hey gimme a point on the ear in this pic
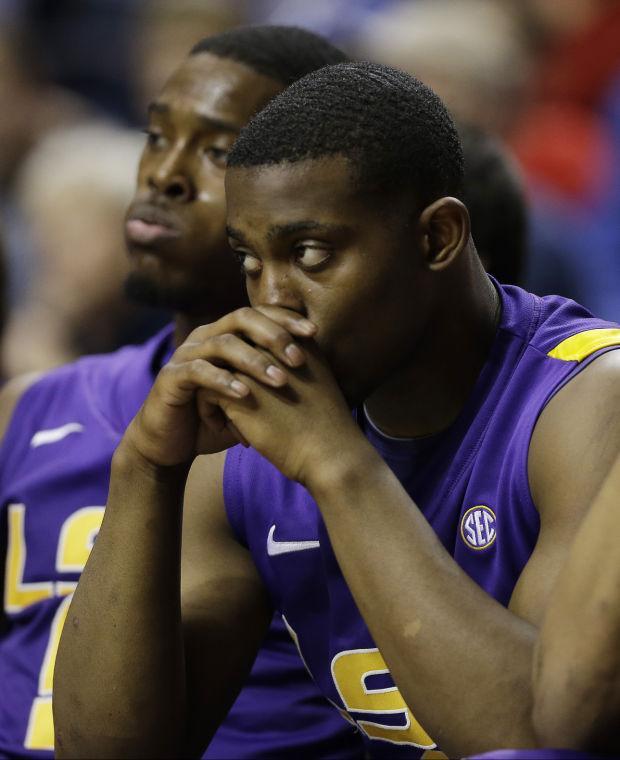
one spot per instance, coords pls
(443, 229)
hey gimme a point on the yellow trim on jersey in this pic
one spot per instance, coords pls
(579, 346)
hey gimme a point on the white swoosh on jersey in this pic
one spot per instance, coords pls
(53, 435)
(285, 547)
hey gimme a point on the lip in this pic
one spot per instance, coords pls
(146, 225)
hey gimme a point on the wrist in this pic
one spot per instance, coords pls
(130, 463)
(343, 470)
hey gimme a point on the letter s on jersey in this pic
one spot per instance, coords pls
(350, 669)
(75, 542)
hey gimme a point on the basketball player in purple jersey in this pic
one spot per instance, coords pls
(58, 444)
(412, 545)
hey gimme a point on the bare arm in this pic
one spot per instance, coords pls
(119, 687)
(125, 628)
(577, 674)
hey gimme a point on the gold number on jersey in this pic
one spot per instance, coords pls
(75, 543)
(18, 594)
(40, 732)
(350, 669)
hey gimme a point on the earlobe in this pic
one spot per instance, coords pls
(444, 232)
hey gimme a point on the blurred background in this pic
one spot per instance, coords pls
(543, 76)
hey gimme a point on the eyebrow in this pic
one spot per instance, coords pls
(233, 233)
(281, 230)
(208, 122)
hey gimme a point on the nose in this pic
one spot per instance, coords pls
(172, 178)
(276, 287)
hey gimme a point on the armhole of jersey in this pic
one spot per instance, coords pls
(233, 493)
(524, 479)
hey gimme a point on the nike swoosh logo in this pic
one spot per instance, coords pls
(285, 547)
(53, 435)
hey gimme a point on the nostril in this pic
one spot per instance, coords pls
(176, 189)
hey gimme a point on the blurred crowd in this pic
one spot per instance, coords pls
(543, 76)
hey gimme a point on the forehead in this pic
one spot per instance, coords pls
(322, 189)
(218, 88)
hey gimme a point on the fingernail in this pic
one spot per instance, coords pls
(294, 354)
(276, 374)
(239, 388)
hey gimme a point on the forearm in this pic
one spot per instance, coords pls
(460, 658)
(119, 681)
(577, 675)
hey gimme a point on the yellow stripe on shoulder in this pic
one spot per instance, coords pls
(579, 346)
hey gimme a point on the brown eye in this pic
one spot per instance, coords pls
(217, 156)
(154, 139)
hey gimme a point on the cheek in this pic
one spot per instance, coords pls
(144, 171)
(210, 190)
(212, 197)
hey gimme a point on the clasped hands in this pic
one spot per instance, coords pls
(255, 376)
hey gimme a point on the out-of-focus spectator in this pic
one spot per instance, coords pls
(561, 138)
(495, 197)
(568, 141)
(339, 20)
(73, 190)
(470, 52)
(30, 106)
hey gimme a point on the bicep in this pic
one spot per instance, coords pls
(225, 607)
(573, 448)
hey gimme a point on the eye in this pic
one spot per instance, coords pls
(217, 156)
(250, 264)
(312, 254)
(154, 138)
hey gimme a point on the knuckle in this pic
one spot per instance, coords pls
(259, 361)
(223, 340)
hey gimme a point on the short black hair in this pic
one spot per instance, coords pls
(495, 198)
(284, 53)
(394, 130)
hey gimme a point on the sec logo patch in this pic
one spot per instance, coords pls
(478, 529)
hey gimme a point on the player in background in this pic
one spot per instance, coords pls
(494, 194)
(577, 673)
(60, 431)
(416, 540)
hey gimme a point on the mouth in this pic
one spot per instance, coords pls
(147, 225)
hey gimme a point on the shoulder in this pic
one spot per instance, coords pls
(10, 395)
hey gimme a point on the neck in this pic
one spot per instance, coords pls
(426, 396)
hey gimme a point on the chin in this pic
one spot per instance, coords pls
(145, 290)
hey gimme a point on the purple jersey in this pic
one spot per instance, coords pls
(470, 482)
(54, 475)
